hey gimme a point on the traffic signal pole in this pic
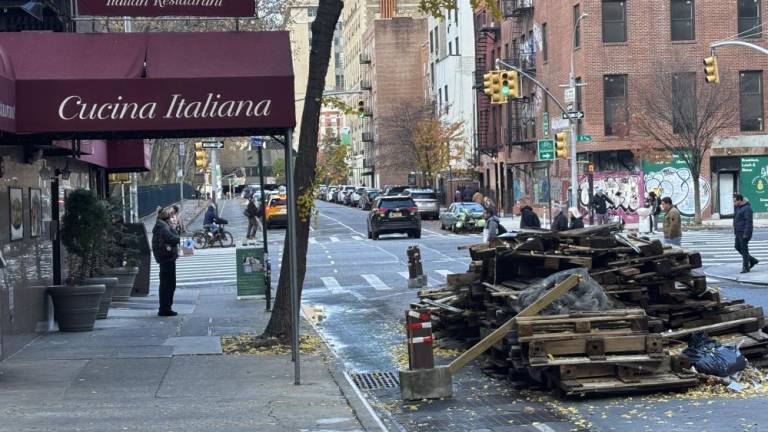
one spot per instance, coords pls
(571, 121)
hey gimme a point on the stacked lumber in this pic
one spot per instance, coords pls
(630, 337)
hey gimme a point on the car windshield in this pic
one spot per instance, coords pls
(277, 202)
(392, 204)
(423, 195)
(469, 207)
(350, 188)
(372, 194)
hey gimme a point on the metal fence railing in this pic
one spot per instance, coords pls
(153, 196)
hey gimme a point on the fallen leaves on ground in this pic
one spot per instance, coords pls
(399, 354)
(243, 344)
(753, 380)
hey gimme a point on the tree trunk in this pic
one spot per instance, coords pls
(696, 200)
(328, 12)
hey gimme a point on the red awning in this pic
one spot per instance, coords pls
(151, 84)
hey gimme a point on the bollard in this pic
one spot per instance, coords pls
(422, 380)
(416, 277)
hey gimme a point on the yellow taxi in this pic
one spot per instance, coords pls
(276, 211)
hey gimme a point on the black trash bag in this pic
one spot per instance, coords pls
(711, 358)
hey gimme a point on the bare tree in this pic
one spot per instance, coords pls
(683, 116)
(419, 137)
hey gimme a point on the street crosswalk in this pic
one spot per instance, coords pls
(205, 267)
(716, 247)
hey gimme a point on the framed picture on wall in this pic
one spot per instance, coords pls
(16, 209)
(35, 212)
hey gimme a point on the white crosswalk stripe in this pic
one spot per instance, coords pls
(332, 284)
(207, 266)
(443, 273)
(375, 282)
(334, 239)
(716, 247)
(404, 274)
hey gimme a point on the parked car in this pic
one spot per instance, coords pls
(366, 199)
(395, 190)
(331, 194)
(276, 212)
(396, 214)
(356, 195)
(463, 216)
(321, 192)
(426, 201)
(344, 190)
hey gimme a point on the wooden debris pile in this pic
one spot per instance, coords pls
(628, 337)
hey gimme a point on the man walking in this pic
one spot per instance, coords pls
(491, 230)
(252, 213)
(742, 229)
(599, 203)
(673, 230)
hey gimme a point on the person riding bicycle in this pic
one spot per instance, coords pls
(211, 220)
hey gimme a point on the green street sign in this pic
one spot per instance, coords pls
(546, 149)
(584, 138)
(754, 181)
(545, 123)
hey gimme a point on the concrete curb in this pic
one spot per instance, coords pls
(731, 272)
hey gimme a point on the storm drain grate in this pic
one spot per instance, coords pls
(375, 380)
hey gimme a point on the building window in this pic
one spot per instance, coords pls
(450, 48)
(437, 41)
(432, 73)
(544, 42)
(439, 98)
(614, 21)
(614, 102)
(456, 44)
(339, 82)
(749, 18)
(682, 20)
(751, 101)
(445, 92)
(577, 28)
(312, 11)
(431, 41)
(456, 16)
(684, 92)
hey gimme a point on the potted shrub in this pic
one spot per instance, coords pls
(122, 259)
(83, 234)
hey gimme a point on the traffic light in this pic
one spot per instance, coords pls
(711, 74)
(561, 145)
(361, 109)
(201, 156)
(510, 84)
(488, 83)
(497, 97)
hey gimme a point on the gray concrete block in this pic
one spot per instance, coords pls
(426, 383)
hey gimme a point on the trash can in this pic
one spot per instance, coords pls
(251, 272)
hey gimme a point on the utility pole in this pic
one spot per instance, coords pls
(134, 188)
(215, 174)
(572, 88)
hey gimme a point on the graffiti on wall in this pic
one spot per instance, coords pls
(625, 189)
(677, 183)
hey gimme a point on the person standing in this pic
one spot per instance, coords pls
(165, 248)
(457, 196)
(599, 204)
(560, 222)
(655, 209)
(528, 218)
(673, 230)
(252, 213)
(742, 229)
(491, 230)
(467, 194)
(577, 220)
(478, 197)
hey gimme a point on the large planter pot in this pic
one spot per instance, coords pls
(122, 292)
(106, 298)
(75, 307)
(126, 275)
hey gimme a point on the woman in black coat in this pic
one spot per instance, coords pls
(577, 220)
(165, 247)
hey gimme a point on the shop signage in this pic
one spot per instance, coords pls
(754, 181)
(155, 8)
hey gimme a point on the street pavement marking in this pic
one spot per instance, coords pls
(542, 427)
(357, 237)
(334, 239)
(376, 283)
(312, 240)
(443, 273)
(405, 274)
(332, 284)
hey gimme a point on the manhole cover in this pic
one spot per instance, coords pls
(375, 380)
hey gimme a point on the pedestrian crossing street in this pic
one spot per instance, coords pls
(716, 247)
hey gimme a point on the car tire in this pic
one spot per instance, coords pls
(370, 235)
(375, 235)
(417, 234)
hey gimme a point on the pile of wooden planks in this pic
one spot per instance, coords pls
(656, 302)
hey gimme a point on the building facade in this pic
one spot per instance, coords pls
(616, 51)
(449, 70)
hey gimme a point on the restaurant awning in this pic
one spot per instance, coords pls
(102, 85)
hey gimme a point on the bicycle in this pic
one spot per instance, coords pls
(204, 238)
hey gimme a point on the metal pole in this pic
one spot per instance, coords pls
(549, 191)
(214, 175)
(182, 160)
(268, 292)
(56, 243)
(572, 87)
(291, 189)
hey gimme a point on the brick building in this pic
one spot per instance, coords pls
(393, 84)
(617, 50)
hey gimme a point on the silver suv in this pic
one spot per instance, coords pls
(426, 201)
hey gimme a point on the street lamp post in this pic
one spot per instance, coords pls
(574, 138)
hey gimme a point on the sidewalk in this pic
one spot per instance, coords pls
(138, 372)
(731, 272)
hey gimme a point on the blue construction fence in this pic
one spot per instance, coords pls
(153, 196)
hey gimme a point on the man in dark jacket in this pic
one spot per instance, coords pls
(491, 223)
(742, 229)
(467, 194)
(529, 219)
(560, 223)
(599, 203)
(576, 219)
(165, 247)
(252, 213)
